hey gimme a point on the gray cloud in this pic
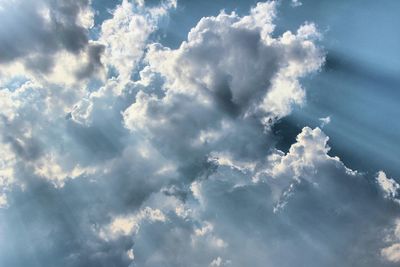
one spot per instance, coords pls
(224, 87)
(41, 27)
(94, 61)
(178, 167)
(34, 33)
(328, 216)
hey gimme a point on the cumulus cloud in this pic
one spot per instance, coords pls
(59, 137)
(327, 215)
(37, 28)
(41, 118)
(130, 225)
(126, 33)
(37, 37)
(50, 40)
(224, 87)
(236, 65)
(389, 186)
(392, 253)
(118, 151)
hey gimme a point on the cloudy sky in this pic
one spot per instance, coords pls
(147, 133)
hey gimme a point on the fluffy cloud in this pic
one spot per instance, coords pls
(66, 219)
(392, 253)
(40, 28)
(235, 65)
(50, 40)
(57, 139)
(176, 166)
(126, 34)
(41, 118)
(47, 39)
(224, 87)
(326, 215)
(389, 186)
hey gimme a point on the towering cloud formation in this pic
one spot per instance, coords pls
(226, 83)
(177, 166)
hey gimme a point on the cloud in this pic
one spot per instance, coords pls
(296, 3)
(126, 34)
(124, 152)
(35, 35)
(223, 87)
(65, 215)
(391, 253)
(324, 121)
(93, 62)
(130, 225)
(50, 40)
(327, 215)
(389, 186)
(68, 165)
(42, 27)
(47, 113)
(235, 63)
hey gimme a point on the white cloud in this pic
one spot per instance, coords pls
(126, 33)
(7, 160)
(324, 121)
(231, 219)
(222, 87)
(254, 221)
(234, 64)
(296, 3)
(129, 225)
(179, 167)
(389, 186)
(38, 119)
(303, 157)
(48, 167)
(130, 254)
(392, 253)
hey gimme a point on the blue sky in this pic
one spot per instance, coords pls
(199, 133)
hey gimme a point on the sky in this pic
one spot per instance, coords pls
(199, 133)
